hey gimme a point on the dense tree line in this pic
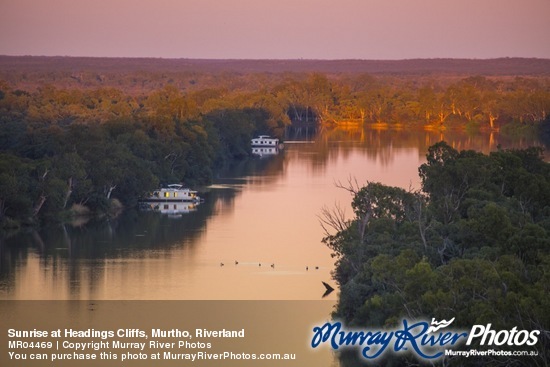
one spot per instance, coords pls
(64, 146)
(332, 98)
(61, 148)
(472, 244)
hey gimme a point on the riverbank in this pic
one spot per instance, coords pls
(73, 137)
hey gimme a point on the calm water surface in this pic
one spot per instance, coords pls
(258, 213)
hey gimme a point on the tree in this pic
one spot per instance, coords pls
(474, 248)
(15, 182)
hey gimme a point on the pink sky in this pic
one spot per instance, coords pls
(277, 29)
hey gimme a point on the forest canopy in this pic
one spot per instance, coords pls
(471, 244)
(82, 132)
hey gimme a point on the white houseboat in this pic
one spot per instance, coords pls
(265, 146)
(265, 141)
(174, 192)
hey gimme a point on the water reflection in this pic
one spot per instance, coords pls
(263, 152)
(259, 211)
(380, 143)
(173, 210)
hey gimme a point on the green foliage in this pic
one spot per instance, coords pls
(475, 247)
(62, 147)
(129, 132)
(545, 131)
(15, 187)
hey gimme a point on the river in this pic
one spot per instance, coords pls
(255, 237)
(262, 213)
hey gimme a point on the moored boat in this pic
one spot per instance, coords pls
(264, 145)
(265, 141)
(173, 192)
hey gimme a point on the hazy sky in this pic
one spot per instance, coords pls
(277, 29)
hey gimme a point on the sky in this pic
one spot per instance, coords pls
(277, 29)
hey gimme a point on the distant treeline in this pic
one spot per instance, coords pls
(412, 67)
(440, 98)
(73, 137)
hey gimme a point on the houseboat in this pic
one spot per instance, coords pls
(173, 192)
(265, 146)
(265, 141)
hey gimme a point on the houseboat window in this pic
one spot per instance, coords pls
(165, 206)
(166, 194)
(175, 194)
(175, 207)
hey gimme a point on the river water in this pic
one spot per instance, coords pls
(260, 219)
(262, 213)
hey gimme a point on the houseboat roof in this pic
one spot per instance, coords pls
(175, 186)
